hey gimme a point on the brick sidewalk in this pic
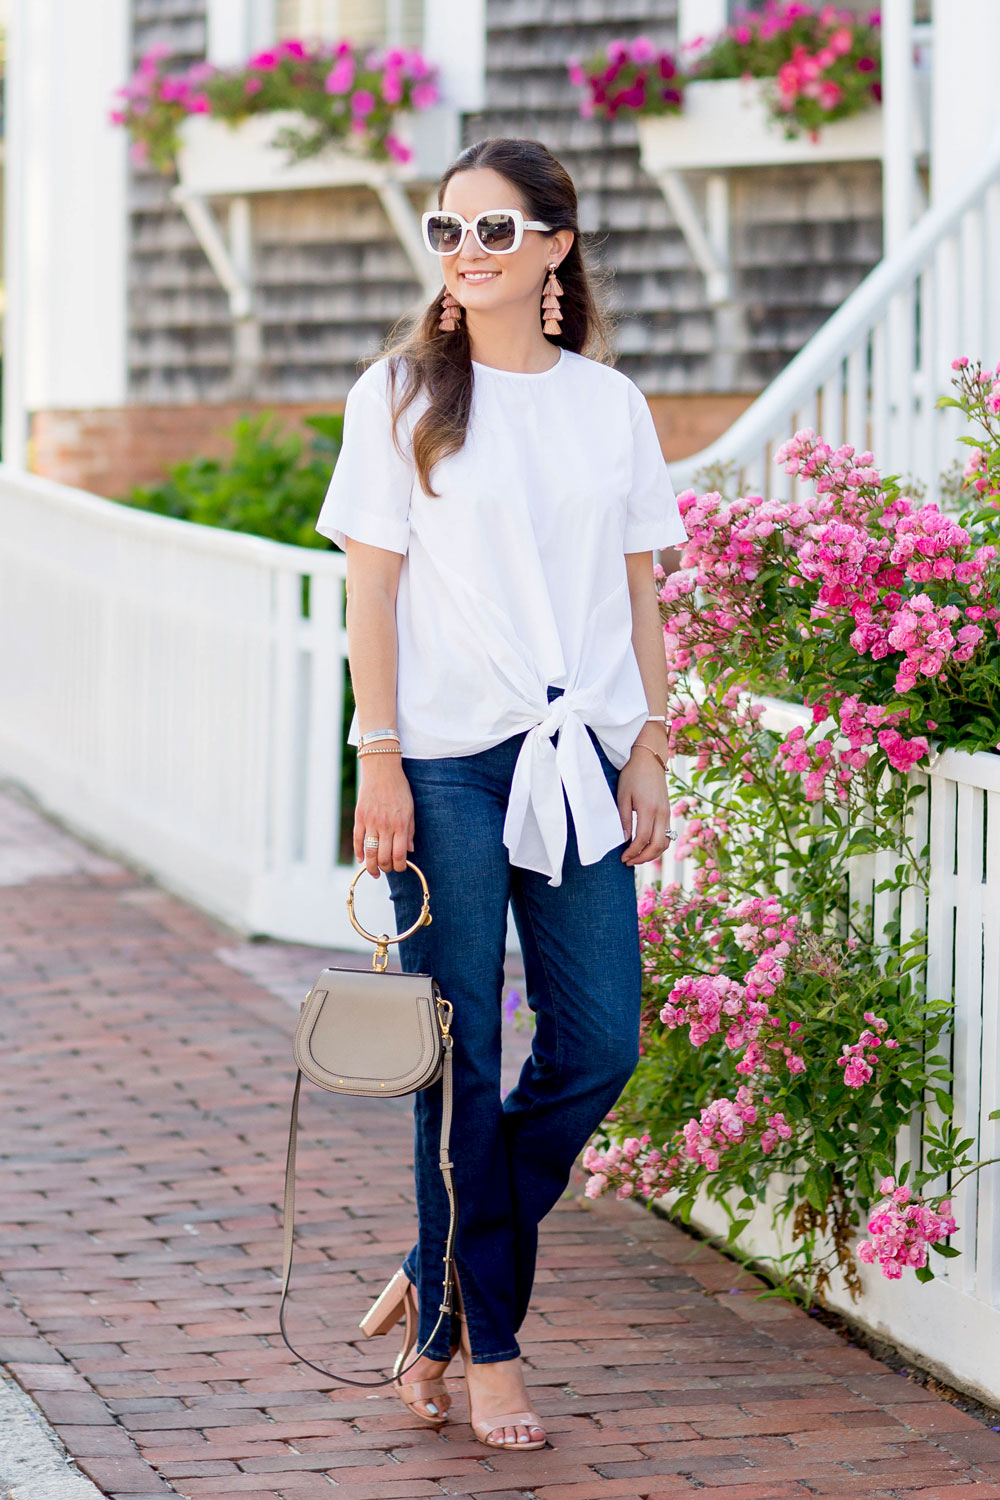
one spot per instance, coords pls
(147, 1084)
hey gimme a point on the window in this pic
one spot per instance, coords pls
(391, 23)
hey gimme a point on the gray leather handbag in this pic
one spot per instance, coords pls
(376, 1034)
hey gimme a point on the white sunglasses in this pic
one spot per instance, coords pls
(497, 231)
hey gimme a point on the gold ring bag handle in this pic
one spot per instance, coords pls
(380, 957)
(374, 1033)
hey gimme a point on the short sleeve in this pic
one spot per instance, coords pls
(652, 518)
(369, 494)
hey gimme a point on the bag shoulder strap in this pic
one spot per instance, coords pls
(288, 1227)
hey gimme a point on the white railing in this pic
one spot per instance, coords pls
(872, 374)
(951, 1325)
(177, 692)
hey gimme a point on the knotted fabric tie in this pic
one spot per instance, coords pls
(535, 828)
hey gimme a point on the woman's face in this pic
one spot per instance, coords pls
(487, 283)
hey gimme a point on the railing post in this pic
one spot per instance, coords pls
(899, 103)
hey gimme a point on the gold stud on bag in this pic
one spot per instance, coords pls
(375, 1034)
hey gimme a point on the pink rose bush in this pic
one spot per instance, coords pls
(781, 1033)
(821, 62)
(350, 95)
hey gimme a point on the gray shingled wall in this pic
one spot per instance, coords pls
(331, 278)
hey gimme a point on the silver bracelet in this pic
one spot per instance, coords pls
(377, 734)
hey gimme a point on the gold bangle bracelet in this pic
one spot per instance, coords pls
(640, 746)
(379, 750)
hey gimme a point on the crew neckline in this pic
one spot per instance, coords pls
(523, 374)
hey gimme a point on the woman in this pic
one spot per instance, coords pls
(499, 496)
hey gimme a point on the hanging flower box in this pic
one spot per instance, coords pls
(299, 114)
(726, 123)
(216, 158)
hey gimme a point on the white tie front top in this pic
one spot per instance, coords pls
(514, 579)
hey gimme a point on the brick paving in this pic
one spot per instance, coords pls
(147, 1079)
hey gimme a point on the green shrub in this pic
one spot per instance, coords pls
(273, 484)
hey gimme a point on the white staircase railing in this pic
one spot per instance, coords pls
(871, 376)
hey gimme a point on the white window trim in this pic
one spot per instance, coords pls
(698, 18)
(237, 29)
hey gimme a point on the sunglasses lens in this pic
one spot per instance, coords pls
(444, 233)
(497, 232)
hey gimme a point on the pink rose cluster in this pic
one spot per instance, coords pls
(863, 556)
(705, 1004)
(723, 1124)
(664, 912)
(635, 1168)
(902, 1225)
(729, 545)
(859, 1058)
(710, 1004)
(629, 76)
(824, 762)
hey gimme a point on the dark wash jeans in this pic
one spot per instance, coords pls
(580, 944)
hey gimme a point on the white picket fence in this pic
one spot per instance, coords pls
(167, 690)
(951, 1325)
(872, 374)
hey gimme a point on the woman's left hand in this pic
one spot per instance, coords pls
(642, 789)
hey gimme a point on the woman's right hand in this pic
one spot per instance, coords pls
(384, 811)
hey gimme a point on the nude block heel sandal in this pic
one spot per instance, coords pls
(397, 1303)
(482, 1427)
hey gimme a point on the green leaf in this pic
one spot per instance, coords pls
(924, 1273)
(826, 1148)
(814, 1190)
(948, 1251)
(945, 1102)
(736, 1228)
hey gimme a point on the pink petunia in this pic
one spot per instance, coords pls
(397, 149)
(341, 76)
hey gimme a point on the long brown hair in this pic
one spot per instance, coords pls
(423, 358)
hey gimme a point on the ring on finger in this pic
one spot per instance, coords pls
(371, 842)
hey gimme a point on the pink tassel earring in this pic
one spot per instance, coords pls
(551, 292)
(451, 313)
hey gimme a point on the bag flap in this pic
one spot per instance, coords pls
(364, 1031)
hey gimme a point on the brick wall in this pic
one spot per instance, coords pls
(109, 451)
